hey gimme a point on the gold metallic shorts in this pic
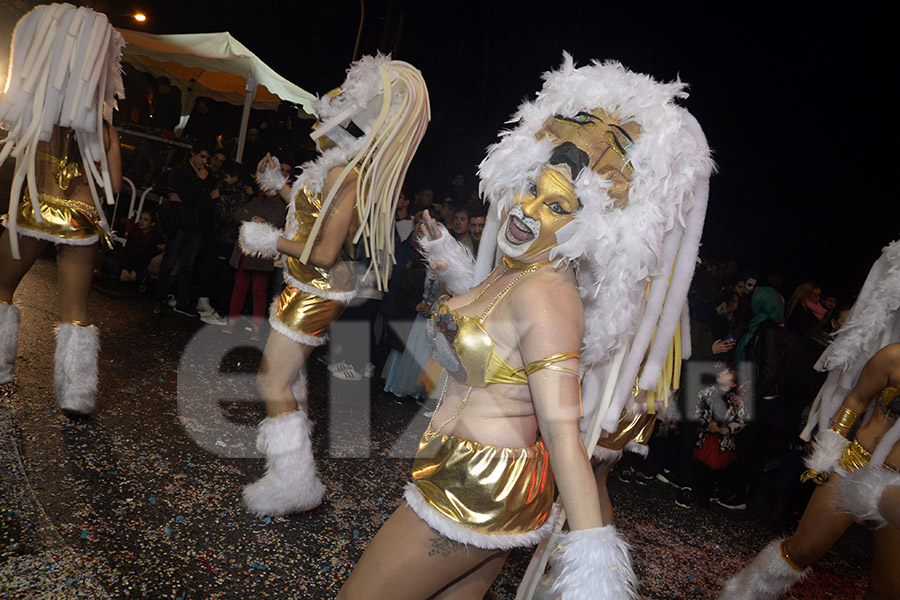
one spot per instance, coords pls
(65, 221)
(856, 457)
(486, 489)
(632, 427)
(305, 314)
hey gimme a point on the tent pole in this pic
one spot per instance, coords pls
(245, 117)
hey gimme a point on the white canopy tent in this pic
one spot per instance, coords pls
(214, 65)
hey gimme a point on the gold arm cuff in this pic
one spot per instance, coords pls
(78, 323)
(844, 421)
(787, 558)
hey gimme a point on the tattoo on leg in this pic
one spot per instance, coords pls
(441, 546)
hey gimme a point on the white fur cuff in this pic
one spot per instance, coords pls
(828, 447)
(259, 239)
(591, 564)
(272, 179)
(460, 272)
(461, 534)
(859, 492)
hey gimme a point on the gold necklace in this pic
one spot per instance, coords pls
(430, 433)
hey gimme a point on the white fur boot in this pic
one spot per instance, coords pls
(290, 483)
(9, 340)
(75, 375)
(592, 564)
(767, 577)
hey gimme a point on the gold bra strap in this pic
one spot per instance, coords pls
(549, 363)
(531, 269)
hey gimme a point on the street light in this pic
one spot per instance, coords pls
(140, 17)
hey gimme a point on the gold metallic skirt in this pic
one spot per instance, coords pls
(65, 221)
(856, 457)
(306, 314)
(486, 489)
(632, 427)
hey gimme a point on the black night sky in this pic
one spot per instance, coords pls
(794, 100)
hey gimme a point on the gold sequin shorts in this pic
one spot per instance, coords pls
(856, 457)
(65, 221)
(484, 489)
(304, 317)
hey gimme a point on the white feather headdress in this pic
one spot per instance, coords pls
(387, 100)
(618, 250)
(64, 70)
(873, 323)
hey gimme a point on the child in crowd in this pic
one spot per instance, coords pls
(144, 242)
(253, 271)
(720, 416)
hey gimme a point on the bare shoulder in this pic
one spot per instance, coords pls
(549, 297)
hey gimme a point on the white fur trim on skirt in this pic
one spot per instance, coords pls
(342, 297)
(55, 240)
(452, 530)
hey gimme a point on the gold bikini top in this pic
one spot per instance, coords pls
(466, 350)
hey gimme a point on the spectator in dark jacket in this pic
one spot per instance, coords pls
(763, 346)
(187, 214)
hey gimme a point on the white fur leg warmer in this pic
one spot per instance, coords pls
(460, 271)
(259, 239)
(593, 564)
(290, 483)
(9, 340)
(860, 491)
(828, 447)
(272, 179)
(767, 577)
(76, 367)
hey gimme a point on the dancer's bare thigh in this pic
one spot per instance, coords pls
(407, 560)
(12, 270)
(821, 525)
(281, 363)
(884, 578)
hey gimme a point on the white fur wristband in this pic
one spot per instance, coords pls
(460, 271)
(828, 447)
(272, 179)
(259, 239)
(860, 491)
(591, 564)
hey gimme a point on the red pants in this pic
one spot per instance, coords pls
(242, 281)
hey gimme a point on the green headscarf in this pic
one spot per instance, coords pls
(766, 304)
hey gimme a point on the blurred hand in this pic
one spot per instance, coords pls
(720, 347)
(266, 163)
(173, 197)
(423, 308)
(214, 194)
(432, 231)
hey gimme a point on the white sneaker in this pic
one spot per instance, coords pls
(340, 366)
(171, 301)
(203, 305)
(213, 318)
(347, 374)
(369, 371)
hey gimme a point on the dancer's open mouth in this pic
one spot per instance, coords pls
(517, 232)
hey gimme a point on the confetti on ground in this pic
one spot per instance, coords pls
(140, 501)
